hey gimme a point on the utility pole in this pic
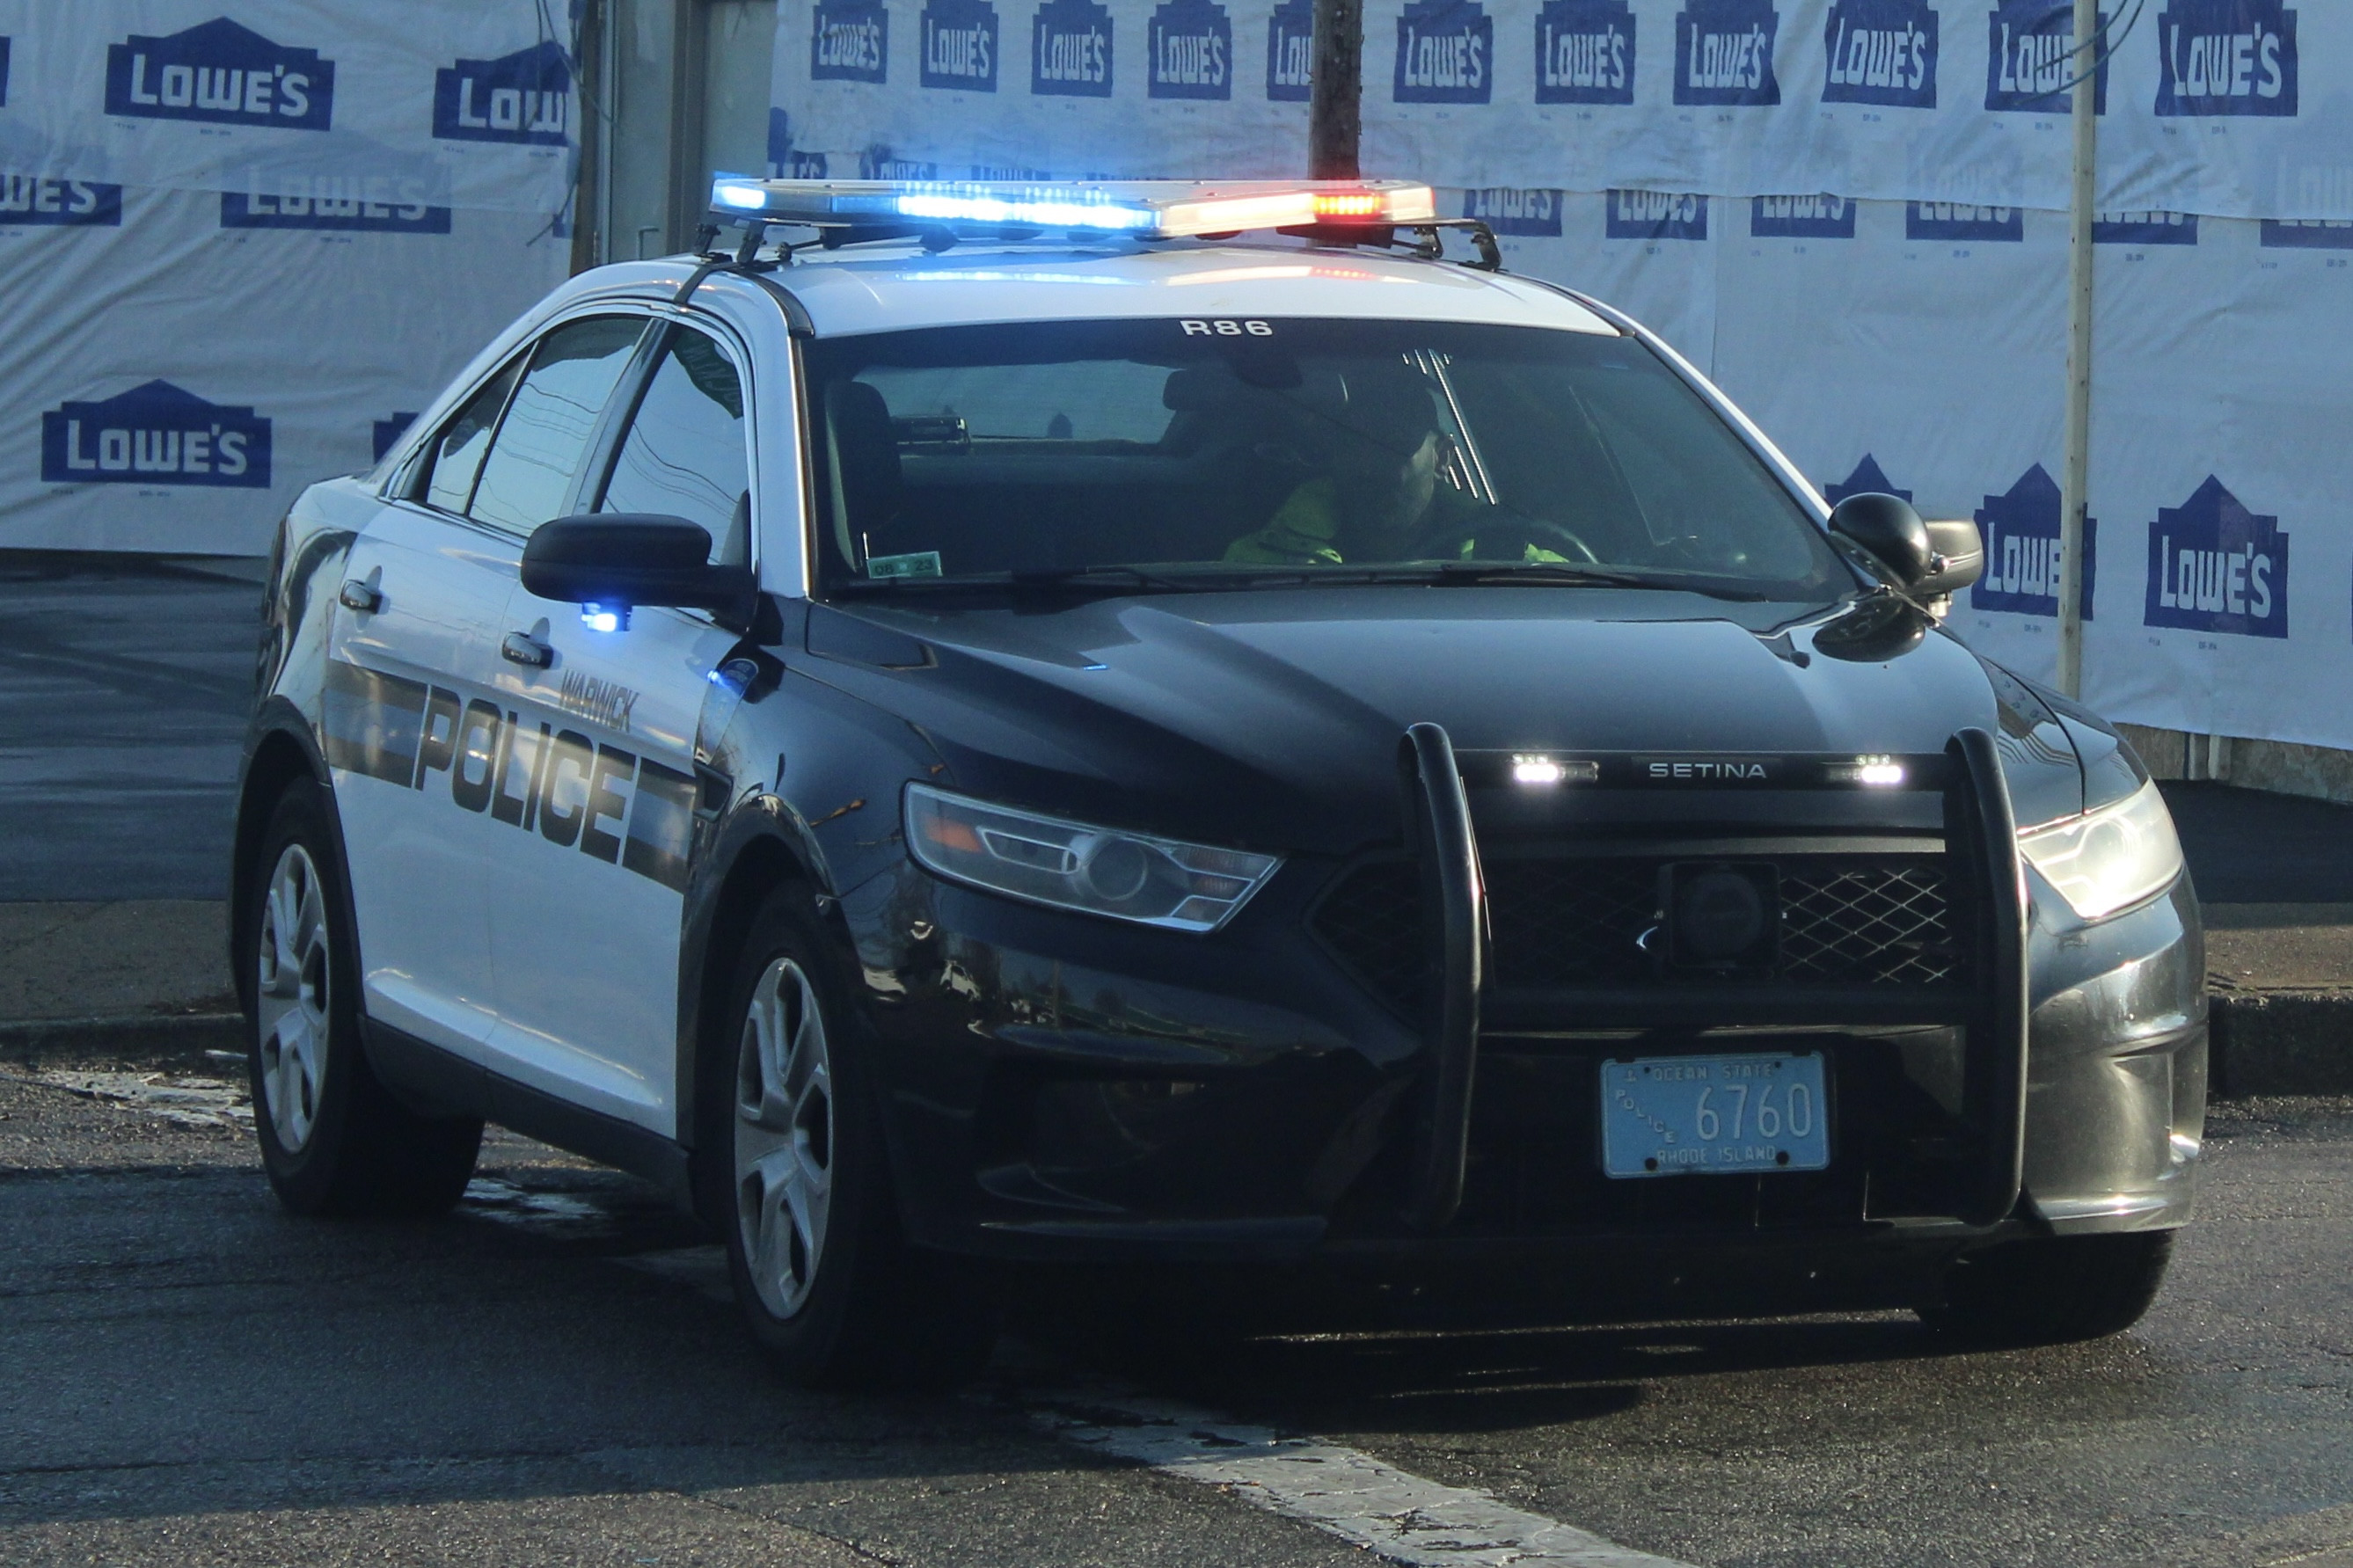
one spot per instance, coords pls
(2074, 487)
(1336, 91)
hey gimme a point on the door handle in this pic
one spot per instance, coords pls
(521, 648)
(364, 597)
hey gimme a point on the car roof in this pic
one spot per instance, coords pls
(870, 288)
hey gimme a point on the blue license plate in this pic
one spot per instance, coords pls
(1714, 1116)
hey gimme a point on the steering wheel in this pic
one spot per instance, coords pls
(1446, 541)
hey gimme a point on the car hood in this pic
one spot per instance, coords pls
(1271, 717)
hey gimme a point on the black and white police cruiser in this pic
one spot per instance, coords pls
(1028, 725)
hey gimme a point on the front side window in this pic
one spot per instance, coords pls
(544, 436)
(1300, 446)
(684, 455)
(457, 457)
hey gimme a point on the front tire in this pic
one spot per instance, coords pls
(829, 1285)
(2053, 1290)
(333, 1139)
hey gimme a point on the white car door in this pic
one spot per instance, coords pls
(585, 923)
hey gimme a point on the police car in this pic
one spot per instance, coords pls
(1176, 723)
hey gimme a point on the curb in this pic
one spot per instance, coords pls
(2265, 1043)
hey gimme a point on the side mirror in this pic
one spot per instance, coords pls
(622, 559)
(1959, 545)
(1888, 528)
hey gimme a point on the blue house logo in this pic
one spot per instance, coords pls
(1290, 51)
(2145, 229)
(2031, 58)
(1655, 215)
(1724, 52)
(387, 431)
(1192, 46)
(1445, 53)
(1880, 51)
(2214, 566)
(350, 202)
(59, 204)
(155, 435)
(1801, 217)
(2021, 540)
(850, 42)
(523, 97)
(1868, 479)
(2307, 234)
(223, 73)
(1957, 221)
(2226, 56)
(1505, 210)
(1585, 52)
(1069, 50)
(959, 45)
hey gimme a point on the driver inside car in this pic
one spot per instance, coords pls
(1377, 497)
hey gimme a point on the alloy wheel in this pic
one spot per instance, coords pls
(291, 999)
(784, 1137)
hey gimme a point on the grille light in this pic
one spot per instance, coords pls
(1148, 209)
(1542, 772)
(1872, 773)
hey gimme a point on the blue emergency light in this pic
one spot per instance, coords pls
(1145, 209)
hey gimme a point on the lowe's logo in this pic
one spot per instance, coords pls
(1957, 221)
(385, 432)
(2226, 56)
(959, 45)
(352, 203)
(1801, 217)
(2307, 234)
(1069, 50)
(850, 42)
(2214, 566)
(1724, 52)
(59, 204)
(2031, 58)
(1192, 45)
(156, 434)
(2145, 229)
(1881, 51)
(1290, 51)
(880, 163)
(1585, 52)
(1655, 215)
(1507, 211)
(1868, 479)
(223, 73)
(2021, 540)
(523, 97)
(1445, 53)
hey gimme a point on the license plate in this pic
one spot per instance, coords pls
(1714, 1116)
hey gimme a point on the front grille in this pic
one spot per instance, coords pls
(1846, 921)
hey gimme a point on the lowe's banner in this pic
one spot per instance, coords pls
(241, 247)
(2227, 108)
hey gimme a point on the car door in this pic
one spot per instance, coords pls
(585, 923)
(415, 731)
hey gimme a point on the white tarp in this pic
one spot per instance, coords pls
(1906, 333)
(238, 249)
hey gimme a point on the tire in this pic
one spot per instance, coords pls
(2053, 1290)
(333, 1139)
(828, 1283)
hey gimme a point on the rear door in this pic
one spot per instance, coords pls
(586, 924)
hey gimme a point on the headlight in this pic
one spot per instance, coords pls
(1158, 881)
(2106, 859)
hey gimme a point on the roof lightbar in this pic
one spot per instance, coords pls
(1145, 209)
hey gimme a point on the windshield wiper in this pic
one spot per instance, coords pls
(1550, 573)
(1048, 579)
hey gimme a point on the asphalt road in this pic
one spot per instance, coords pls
(546, 1377)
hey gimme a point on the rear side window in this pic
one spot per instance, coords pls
(458, 451)
(544, 436)
(684, 456)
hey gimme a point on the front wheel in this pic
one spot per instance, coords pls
(2053, 1290)
(333, 1139)
(826, 1282)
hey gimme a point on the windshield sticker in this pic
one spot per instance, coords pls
(922, 563)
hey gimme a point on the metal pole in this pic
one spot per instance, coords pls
(1336, 91)
(2074, 488)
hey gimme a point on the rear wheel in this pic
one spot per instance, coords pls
(828, 1283)
(2053, 1290)
(333, 1139)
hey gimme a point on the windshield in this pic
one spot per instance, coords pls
(1192, 450)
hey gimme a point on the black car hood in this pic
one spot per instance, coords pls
(1273, 716)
